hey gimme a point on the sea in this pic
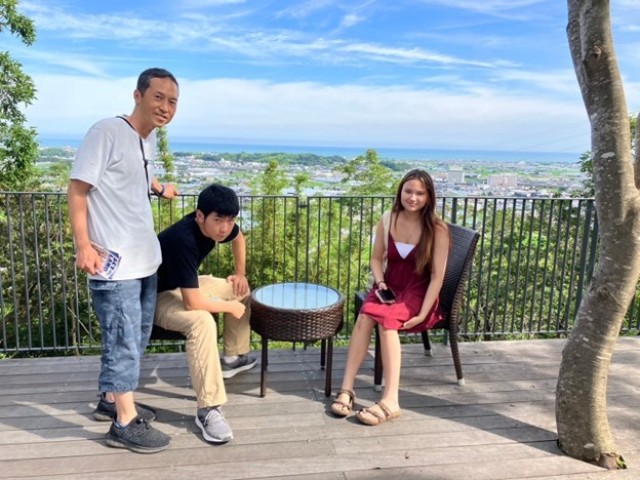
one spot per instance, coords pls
(385, 153)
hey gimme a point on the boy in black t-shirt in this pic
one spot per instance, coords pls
(186, 301)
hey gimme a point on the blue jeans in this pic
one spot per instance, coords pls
(125, 310)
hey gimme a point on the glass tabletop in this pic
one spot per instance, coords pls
(296, 295)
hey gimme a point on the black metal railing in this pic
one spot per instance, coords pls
(533, 262)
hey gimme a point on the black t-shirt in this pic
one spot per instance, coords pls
(184, 248)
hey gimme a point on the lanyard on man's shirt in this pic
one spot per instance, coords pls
(144, 157)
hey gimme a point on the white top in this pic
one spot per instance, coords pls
(119, 215)
(404, 249)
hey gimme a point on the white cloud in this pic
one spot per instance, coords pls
(487, 7)
(403, 55)
(198, 33)
(563, 82)
(86, 64)
(631, 4)
(351, 19)
(305, 9)
(312, 113)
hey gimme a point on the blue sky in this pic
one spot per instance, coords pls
(446, 74)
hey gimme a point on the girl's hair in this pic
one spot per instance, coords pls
(429, 218)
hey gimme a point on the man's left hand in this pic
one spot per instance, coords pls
(170, 191)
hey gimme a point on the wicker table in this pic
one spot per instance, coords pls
(297, 312)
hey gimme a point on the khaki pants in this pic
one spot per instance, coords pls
(199, 327)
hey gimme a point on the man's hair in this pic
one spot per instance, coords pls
(219, 199)
(144, 80)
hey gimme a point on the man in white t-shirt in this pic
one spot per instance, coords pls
(109, 206)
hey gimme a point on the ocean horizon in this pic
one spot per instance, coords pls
(385, 153)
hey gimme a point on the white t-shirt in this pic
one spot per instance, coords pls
(119, 215)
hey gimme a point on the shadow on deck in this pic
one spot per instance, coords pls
(501, 425)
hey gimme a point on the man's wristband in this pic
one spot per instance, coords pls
(160, 192)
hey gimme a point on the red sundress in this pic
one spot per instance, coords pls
(410, 289)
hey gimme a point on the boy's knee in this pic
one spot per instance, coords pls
(203, 323)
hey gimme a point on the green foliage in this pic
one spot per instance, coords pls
(16, 23)
(533, 261)
(65, 153)
(18, 145)
(273, 254)
(366, 175)
(272, 181)
(310, 159)
(18, 154)
(586, 164)
(299, 181)
(55, 177)
(164, 155)
(40, 302)
(531, 266)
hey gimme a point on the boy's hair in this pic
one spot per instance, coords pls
(144, 80)
(219, 199)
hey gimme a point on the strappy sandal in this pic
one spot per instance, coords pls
(373, 417)
(340, 408)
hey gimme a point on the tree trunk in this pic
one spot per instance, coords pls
(636, 163)
(581, 406)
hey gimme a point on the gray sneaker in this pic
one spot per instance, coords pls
(213, 425)
(240, 364)
(138, 436)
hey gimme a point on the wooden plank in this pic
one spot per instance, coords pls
(503, 420)
(231, 462)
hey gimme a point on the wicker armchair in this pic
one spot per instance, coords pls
(463, 246)
(159, 333)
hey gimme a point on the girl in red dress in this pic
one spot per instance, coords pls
(416, 258)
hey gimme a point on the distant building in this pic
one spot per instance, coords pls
(502, 180)
(455, 175)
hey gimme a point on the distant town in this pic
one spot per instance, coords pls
(452, 177)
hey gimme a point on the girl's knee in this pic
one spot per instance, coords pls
(383, 331)
(364, 322)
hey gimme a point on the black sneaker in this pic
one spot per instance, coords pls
(138, 436)
(240, 364)
(106, 411)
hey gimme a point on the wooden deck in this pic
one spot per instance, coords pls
(501, 425)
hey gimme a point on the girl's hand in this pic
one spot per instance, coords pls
(412, 322)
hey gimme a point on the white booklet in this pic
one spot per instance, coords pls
(110, 261)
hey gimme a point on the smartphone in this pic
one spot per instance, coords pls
(386, 296)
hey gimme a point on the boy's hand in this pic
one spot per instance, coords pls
(236, 308)
(240, 284)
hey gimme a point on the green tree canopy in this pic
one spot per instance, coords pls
(586, 163)
(165, 156)
(366, 175)
(18, 144)
(272, 181)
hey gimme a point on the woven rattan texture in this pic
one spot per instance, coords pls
(296, 325)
